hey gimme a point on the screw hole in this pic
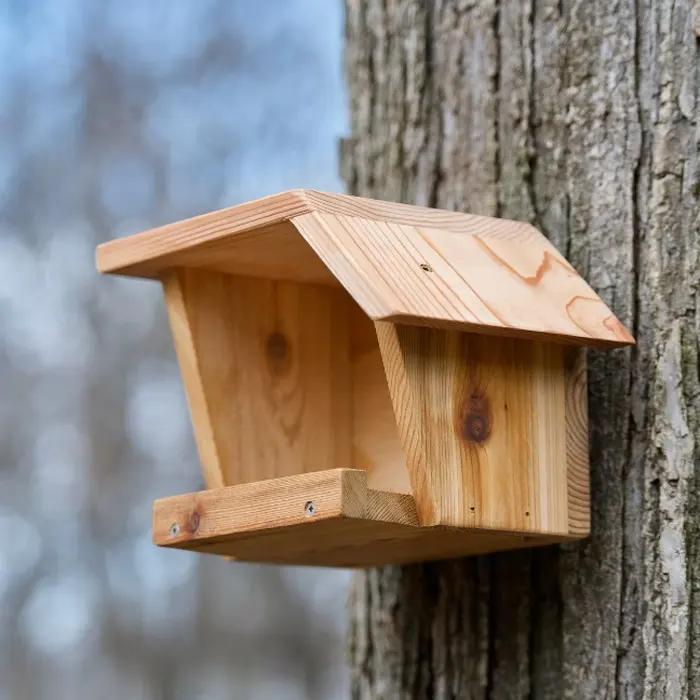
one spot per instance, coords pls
(174, 530)
(310, 509)
(527, 513)
(425, 267)
(472, 509)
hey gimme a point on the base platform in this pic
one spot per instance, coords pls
(325, 518)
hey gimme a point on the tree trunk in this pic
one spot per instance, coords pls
(581, 117)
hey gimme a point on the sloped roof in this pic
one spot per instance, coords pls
(399, 262)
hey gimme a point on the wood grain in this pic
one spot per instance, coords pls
(187, 344)
(351, 525)
(281, 379)
(376, 447)
(270, 252)
(203, 241)
(262, 505)
(482, 424)
(266, 367)
(502, 279)
(577, 460)
(408, 264)
(258, 232)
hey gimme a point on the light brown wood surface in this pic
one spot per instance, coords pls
(500, 278)
(482, 421)
(577, 469)
(412, 265)
(260, 226)
(376, 446)
(351, 525)
(281, 378)
(266, 367)
(255, 238)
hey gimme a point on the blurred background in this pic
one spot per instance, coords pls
(116, 116)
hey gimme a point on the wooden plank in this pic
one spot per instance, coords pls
(376, 447)
(276, 251)
(504, 279)
(355, 543)
(262, 505)
(350, 525)
(577, 462)
(266, 367)
(202, 241)
(401, 263)
(482, 424)
(187, 344)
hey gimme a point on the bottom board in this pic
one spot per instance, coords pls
(327, 518)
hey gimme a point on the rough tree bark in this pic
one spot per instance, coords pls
(581, 117)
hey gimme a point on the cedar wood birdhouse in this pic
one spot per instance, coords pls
(373, 383)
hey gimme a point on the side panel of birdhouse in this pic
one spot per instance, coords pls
(267, 371)
(577, 465)
(484, 424)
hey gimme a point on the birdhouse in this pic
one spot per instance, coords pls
(373, 383)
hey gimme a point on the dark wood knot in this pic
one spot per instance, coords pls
(475, 418)
(279, 354)
(276, 346)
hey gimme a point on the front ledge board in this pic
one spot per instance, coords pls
(401, 263)
(327, 518)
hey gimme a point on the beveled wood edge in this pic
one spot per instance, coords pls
(587, 341)
(159, 246)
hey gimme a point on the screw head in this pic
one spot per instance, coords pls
(425, 267)
(310, 509)
(174, 530)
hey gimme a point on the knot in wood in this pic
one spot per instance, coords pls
(276, 346)
(475, 418)
(278, 353)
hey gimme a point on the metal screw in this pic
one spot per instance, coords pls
(310, 509)
(425, 267)
(174, 530)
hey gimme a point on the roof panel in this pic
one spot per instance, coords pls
(400, 262)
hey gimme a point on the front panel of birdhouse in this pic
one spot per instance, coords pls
(494, 429)
(372, 383)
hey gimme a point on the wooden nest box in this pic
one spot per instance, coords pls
(373, 383)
